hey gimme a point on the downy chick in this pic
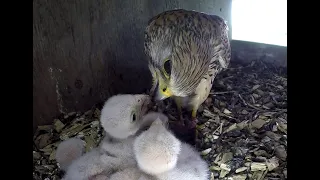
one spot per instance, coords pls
(159, 153)
(156, 150)
(87, 167)
(134, 173)
(121, 118)
(68, 151)
(189, 166)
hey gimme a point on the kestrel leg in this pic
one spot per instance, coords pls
(178, 101)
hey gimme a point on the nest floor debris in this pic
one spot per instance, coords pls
(242, 127)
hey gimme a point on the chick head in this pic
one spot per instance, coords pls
(156, 149)
(121, 115)
(68, 151)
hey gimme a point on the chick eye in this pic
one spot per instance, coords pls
(134, 117)
(167, 67)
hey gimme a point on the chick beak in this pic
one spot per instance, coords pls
(146, 105)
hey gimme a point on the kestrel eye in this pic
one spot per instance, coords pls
(167, 67)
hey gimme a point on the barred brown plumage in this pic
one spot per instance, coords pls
(198, 48)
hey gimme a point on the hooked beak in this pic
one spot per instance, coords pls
(160, 91)
(162, 94)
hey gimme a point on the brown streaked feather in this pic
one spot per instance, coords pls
(196, 43)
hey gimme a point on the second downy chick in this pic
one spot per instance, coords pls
(68, 151)
(160, 154)
(121, 118)
(134, 173)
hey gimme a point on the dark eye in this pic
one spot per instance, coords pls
(133, 117)
(167, 67)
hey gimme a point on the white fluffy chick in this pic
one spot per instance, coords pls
(133, 172)
(121, 118)
(156, 150)
(87, 167)
(68, 151)
(159, 153)
(189, 166)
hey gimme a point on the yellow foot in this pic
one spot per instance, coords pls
(194, 118)
(194, 114)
